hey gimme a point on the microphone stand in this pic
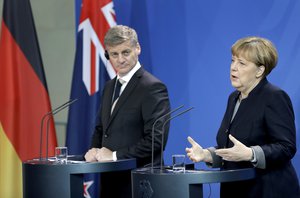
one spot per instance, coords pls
(163, 132)
(163, 116)
(47, 115)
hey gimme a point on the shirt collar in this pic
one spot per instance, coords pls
(129, 75)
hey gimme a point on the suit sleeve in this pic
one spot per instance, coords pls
(280, 125)
(155, 104)
(98, 131)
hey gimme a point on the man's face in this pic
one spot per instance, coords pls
(123, 57)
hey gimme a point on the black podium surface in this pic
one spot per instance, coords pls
(49, 180)
(161, 184)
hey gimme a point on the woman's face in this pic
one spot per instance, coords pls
(244, 75)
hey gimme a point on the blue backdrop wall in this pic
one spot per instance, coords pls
(187, 45)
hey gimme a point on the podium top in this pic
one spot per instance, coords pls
(81, 167)
(200, 176)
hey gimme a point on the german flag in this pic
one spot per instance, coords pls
(24, 96)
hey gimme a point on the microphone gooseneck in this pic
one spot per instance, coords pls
(163, 133)
(153, 126)
(47, 115)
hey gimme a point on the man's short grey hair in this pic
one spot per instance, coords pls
(120, 34)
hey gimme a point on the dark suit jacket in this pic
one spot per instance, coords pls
(264, 118)
(128, 130)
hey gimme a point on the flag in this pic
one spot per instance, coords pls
(24, 96)
(91, 71)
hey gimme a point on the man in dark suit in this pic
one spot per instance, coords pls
(131, 102)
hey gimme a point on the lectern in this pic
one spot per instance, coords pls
(48, 180)
(164, 183)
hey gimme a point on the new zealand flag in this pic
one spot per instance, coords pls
(91, 71)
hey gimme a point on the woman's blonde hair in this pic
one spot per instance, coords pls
(258, 50)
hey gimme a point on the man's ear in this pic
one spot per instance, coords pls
(138, 48)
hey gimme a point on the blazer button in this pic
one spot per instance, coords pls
(105, 135)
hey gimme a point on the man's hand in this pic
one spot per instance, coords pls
(104, 154)
(90, 156)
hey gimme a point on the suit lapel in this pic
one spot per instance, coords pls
(126, 93)
(231, 107)
(246, 107)
(107, 102)
(242, 110)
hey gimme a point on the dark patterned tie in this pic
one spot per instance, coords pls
(116, 91)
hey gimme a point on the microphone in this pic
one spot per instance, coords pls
(47, 115)
(163, 133)
(161, 117)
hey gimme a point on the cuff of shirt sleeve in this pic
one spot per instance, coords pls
(115, 156)
(260, 157)
(254, 159)
(216, 160)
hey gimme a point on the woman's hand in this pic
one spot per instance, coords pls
(196, 153)
(239, 152)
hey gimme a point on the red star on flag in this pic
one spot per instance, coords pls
(86, 186)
